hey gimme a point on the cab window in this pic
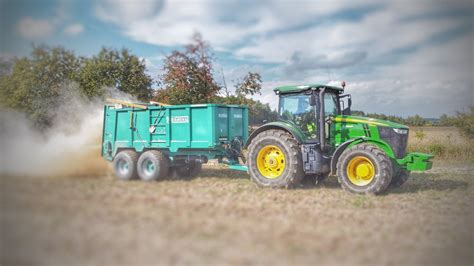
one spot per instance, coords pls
(297, 110)
(330, 104)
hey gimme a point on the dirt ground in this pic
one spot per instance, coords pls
(222, 218)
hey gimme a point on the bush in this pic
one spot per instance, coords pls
(437, 149)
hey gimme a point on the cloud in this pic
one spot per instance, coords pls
(395, 57)
(223, 23)
(123, 12)
(74, 29)
(40, 28)
(299, 63)
(32, 29)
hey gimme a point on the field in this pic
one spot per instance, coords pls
(221, 217)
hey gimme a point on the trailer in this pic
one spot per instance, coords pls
(150, 141)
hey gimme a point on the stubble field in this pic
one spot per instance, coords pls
(220, 217)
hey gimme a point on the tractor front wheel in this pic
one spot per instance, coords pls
(274, 160)
(364, 169)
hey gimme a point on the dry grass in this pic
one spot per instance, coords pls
(446, 143)
(84, 216)
(221, 217)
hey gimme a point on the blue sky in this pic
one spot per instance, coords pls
(397, 57)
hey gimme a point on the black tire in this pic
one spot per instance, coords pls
(189, 170)
(399, 178)
(125, 165)
(153, 165)
(382, 169)
(292, 173)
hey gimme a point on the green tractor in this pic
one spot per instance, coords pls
(317, 136)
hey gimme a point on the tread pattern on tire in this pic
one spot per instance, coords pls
(293, 169)
(162, 160)
(383, 171)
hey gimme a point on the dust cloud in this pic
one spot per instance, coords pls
(70, 148)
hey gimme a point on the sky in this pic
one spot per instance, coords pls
(397, 57)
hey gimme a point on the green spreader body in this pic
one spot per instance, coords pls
(203, 131)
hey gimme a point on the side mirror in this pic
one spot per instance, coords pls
(312, 100)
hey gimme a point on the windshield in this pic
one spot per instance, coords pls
(296, 109)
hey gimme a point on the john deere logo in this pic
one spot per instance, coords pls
(179, 119)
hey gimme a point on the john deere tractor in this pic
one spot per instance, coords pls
(317, 136)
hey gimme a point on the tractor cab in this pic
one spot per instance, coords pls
(304, 106)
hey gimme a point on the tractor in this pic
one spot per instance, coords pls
(316, 136)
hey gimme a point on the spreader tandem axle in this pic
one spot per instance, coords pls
(315, 136)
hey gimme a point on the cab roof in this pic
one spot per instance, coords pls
(300, 88)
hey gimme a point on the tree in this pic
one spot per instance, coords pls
(416, 121)
(188, 75)
(6, 65)
(34, 84)
(465, 122)
(111, 68)
(250, 84)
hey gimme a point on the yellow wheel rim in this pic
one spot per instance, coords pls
(271, 161)
(360, 171)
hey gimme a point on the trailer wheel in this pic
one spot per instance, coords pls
(364, 169)
(399, 178)
(274, 160)
(189, 170)
(153, 165)
(125, 165)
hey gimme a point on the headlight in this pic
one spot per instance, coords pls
(401, 130)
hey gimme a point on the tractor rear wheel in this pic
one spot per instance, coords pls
(399, 178)
(125, 165)
(153, 165)
(274, 160)
(364, 169)
(188, 170)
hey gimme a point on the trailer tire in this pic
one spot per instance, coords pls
(399, 178)
(125, 165)
(189, 170)
(274, 160)
(364, 169)
(153, 165)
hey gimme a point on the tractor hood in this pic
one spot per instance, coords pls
(367, 120)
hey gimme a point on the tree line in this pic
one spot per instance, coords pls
(462, 120)
(34, 84)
